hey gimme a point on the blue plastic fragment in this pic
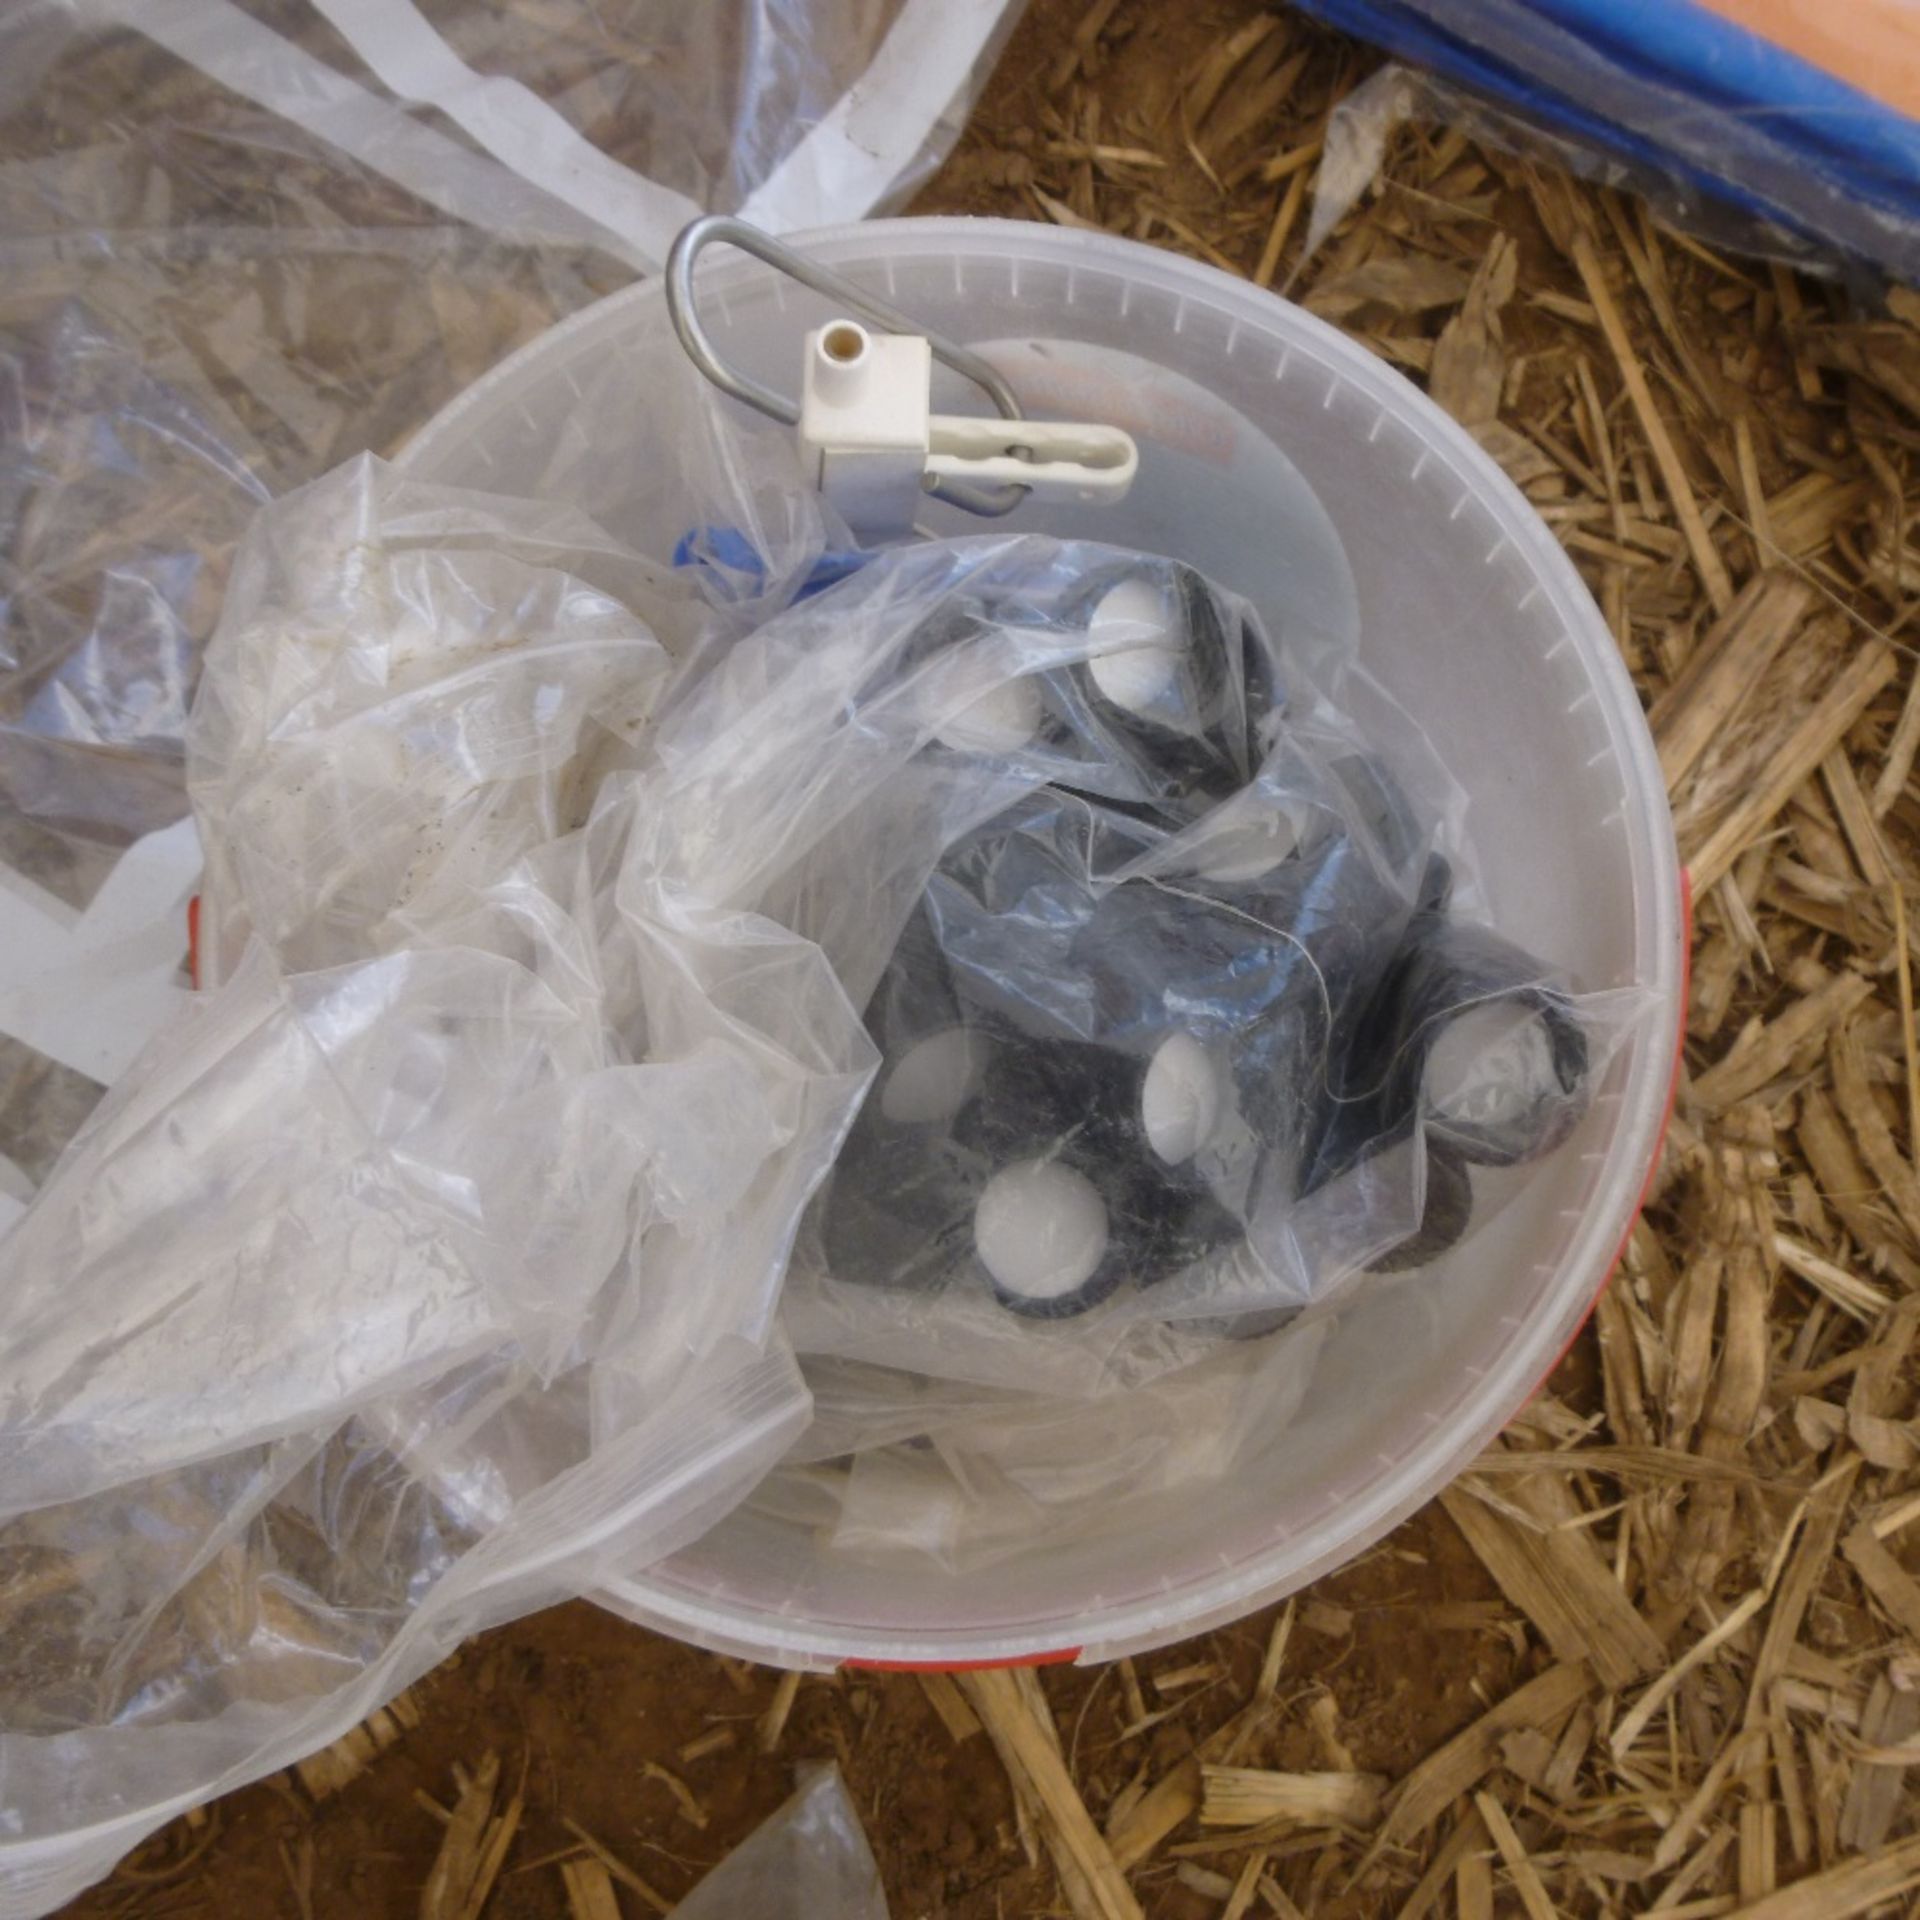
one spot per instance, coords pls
(728, 557)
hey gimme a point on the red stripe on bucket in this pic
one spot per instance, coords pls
(193, 941)
(1666, 1121)
(1056, 1657)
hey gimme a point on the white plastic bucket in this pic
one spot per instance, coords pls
(1292, 466)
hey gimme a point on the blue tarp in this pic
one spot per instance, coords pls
(1672, 86)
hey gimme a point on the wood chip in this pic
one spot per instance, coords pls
(1897, 764)
(1560, 1582)
(1806, 743)
(1177, 1679)
(773, 1723)
(1855, 1887)
(1884, 1577)
(1853, 1095)
(1464, 1761)
(1252, 1796)
(684, 1796)
(950, 1704)
(326, 1772)
(1465, 1842)
(1241, 1896)
(590, 1894)
(1526, 1877)
(1878, 1793)
(1087, 1865)
(1807, 1565)
(1277, 1642)
(1686, 507)
(1766, 1053)
(1725, 669)
(617, 1868)
(473, 1848)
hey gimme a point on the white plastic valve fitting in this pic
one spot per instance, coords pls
(874, 445)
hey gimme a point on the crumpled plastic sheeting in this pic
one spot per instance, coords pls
(809, 1861)
(423, 1272)
(243, 240)
(983, 1486)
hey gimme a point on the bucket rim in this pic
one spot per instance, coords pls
(770, 1633)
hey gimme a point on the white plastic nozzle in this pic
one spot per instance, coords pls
(841, 361)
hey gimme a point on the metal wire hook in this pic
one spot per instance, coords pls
(697, 235)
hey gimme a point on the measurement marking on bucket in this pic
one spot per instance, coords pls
(886, 268)
(780, 293)
(1585, 700)
(959, 278)
(1420, 465)
(1526, 600)
(1072, 288)
(1334, 384)
(1386, 1459)
(527, 418)
(1460, 505)
(1379, 421)
(1605, 753)
(1495, 551)
(1126, 298)
(571, 384)
(1281, 365)
(1180, 314)
(1511, 1320)
(1233, 334)
(1013, 279)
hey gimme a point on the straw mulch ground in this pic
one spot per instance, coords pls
(1699, 1535)
(1660, 1651)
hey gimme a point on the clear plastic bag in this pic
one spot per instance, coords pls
(809, 1861)
(1171, 1002)
(983, 1482)
(242, 240)
(423, 1271)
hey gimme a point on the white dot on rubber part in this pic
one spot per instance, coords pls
(1182, 1098)
(933, 1078)
(1134, 645)
(1040, 1229)
(1000, 721)
(1490, 1066)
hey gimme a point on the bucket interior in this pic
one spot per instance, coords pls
(1297, 470)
